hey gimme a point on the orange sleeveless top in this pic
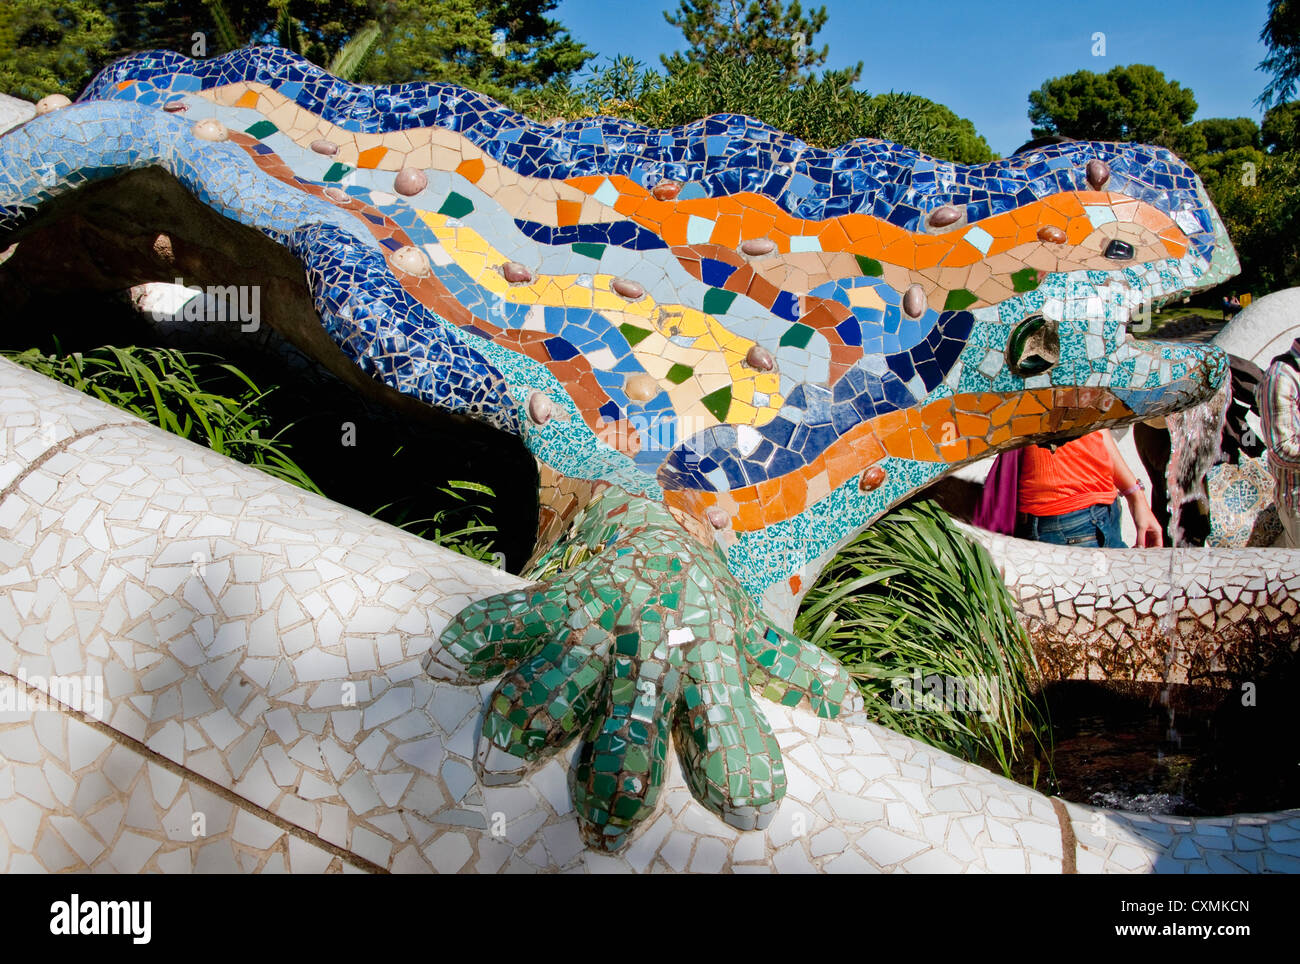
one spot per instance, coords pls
(1075, 476)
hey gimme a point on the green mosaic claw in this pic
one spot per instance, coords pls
(651, 635)
(787, 670)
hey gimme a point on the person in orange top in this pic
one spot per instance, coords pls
(1069, 495)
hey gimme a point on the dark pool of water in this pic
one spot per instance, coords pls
(1189, 751)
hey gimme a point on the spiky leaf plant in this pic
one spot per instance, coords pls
(922, 620)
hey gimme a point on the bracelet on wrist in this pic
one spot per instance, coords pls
(1137, 486)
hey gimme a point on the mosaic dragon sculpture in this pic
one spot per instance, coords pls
(728, 351)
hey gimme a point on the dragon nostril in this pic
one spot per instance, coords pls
(1034, 347)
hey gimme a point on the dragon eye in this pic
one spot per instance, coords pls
(1033, 347)
(1120, 251)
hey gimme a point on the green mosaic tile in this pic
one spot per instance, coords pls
(958, 299)
(870, 266)
(633, 334)
(336, 172)
(796, 336)
(456, 205)
(718, 403)
(1026, 279)
(679, 373)
(717, 301)
(261, 129)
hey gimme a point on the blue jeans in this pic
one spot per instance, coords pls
(1095, 527)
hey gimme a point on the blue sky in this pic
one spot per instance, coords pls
(983, 65)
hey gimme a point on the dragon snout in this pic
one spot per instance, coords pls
(1179, 376)
(1214, 368)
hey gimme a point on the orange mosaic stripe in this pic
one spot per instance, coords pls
(746, 216)
(949, 430)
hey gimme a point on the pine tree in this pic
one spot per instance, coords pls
(743, 31)
(52, 48)
(489, 45)
(1281, 34)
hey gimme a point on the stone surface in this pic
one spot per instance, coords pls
(1098, 173)
(411, 260)
(210, 129)
(52, 102)
(1263, 329)
(14, 111)
(539, 408)
(914, 301)
(944, 216)
(873, 478)
(410, 181)
(760, 359)
(624, 288)
(516, 273)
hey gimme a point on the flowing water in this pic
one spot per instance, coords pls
(1171, 748)
(1112, 748)
(1195, 435)
(1124, 745)
(1194, 438)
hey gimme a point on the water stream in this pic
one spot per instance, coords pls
(1194, 438)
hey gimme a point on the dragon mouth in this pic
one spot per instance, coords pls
(1195, 374)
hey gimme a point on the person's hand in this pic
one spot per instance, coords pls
(1149, 533)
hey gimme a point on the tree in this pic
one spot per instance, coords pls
(825, 111)
(52, 47)
(965, 144)
(731, 29)
(1133, 103)
(1281, 128)
(494, 46)
(1214, 136)
(316, 29)
(1281, 34)
(1260, 206)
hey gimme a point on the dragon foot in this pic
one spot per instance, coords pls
(650, 635)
